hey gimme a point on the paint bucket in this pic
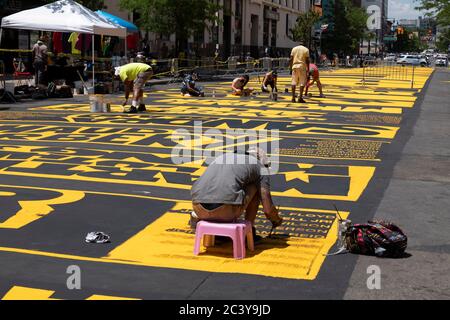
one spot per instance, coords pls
(274, 96)
(98, 104)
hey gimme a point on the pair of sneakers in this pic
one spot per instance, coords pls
(133, 109)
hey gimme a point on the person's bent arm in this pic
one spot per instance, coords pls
(233, 85)
(269, 209)
(128, 88)
(265, 80)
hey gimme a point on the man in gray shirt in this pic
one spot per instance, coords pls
(233, 184)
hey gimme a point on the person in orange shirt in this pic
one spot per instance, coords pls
(314, 77)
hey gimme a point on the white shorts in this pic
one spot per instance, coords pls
(299, 76)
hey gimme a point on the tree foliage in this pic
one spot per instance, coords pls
(407, 41)
(443, 41)
(440, 9)
(180, 17)
(303, 28)
(347, 25)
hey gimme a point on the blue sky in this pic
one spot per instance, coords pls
(403, 9)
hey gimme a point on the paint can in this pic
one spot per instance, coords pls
(274, 96)
(98, 104)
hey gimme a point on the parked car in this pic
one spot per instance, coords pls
(441, 61)
(412, 60)
(390, 57)
(424, 61)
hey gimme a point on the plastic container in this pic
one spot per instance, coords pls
(99, 104)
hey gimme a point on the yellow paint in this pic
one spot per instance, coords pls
(301, 258)
(301, 175)
(386, 132)
(28, 165)
(359, 179)
(75, 177)
(33, 210)
(7, 194)
(25, 293)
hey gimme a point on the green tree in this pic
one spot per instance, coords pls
(93, 4)
(407, 41)
(443, 41)
(347, 26)
(440, 9)
(303, 28)
(180, 17)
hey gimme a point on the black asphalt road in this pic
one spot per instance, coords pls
(419, 150)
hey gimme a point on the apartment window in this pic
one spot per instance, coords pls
(238, 22)
(287, 24)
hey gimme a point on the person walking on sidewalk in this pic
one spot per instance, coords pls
(299, 66)
(134, 77)
(234, 184)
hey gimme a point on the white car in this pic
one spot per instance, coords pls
(412, 60)
(441, 61)
(390, 57)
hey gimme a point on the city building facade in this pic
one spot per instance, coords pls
(378, 26)
(255, 27)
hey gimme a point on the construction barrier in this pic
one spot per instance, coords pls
(388, 70)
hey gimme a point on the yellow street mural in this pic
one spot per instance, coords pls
(296, 251)
(57, 158)
(27, 293)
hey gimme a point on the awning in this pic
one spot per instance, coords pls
(131, 28)
(63, 16)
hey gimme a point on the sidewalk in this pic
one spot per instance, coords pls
(418, 200)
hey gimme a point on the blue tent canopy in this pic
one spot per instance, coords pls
(123, 23)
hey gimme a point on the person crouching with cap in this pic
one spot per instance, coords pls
(234, 184)
(270, 79)
(134, 77)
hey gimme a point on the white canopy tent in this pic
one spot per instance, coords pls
(64, 16)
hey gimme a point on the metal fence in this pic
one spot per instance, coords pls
(212, 68)
(387, 70)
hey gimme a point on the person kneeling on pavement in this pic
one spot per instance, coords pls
(238, 86)
(270, 79)
(188, 87)
(234, 184)
(134, 77)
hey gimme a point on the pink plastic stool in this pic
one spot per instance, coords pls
(236, 231)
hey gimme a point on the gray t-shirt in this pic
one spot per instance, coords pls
(40, 52)
(226, 178)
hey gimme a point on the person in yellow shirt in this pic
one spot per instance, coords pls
(134, 77)
(299, 66)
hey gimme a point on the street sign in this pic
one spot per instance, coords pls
(390, 38)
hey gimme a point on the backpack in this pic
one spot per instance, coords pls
(39, 94)
(64, 92)
(380, 238)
